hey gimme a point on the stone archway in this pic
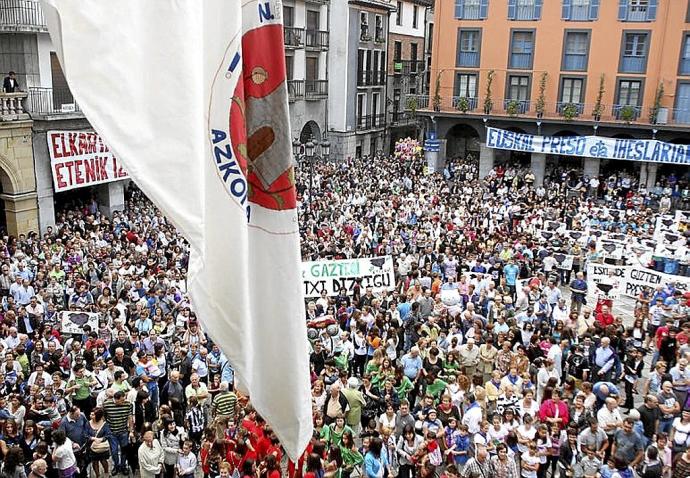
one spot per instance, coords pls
(18, 178)
(462, 140)
(310, 131)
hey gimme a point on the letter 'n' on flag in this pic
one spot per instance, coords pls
(191, 96)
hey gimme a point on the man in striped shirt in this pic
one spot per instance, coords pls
(120, 419)
(223, 408)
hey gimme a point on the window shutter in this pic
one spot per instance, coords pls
(459, 8)
(567, 6)
(537, 9)
(622, 10)
(484, 9)
(593, 9)
(512, 9)
(651, 10)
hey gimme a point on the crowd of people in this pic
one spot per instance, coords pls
(519, 374)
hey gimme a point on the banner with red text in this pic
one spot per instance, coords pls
(81, 158)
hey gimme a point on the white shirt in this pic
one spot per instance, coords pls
(607, 417)
(473, 419)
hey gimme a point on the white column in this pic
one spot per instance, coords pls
(111, 197)
(591, 167)
(486, 160)
(538, 168)
(651, 176)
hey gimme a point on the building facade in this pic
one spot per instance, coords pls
(618, 68)
(307, 41)
(407, 65)
(358, 63)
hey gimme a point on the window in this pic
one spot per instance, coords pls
(288, 16)
(399, 14)
(415, 14)
(518, 88)
(524, 9)
(572, 93)
(397, 51)
(580, 10)
(637, 10)
(684, 67)
(634, 52)
(364, 26)
(312, 68)
(413, 52)
(361, 108)
(517, 97)
(312, 35)
(575, 51)
(471, 9)
(465, 87)
(289, 67)
(628, 99)
(379, 29)
(521, 50)
(468, 48)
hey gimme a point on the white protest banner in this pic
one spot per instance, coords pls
(73, 322)
(610, 281)
(648, 150)
(81, 158)
(606, 281)
(331, 276)
(610, 249)
(565, 261)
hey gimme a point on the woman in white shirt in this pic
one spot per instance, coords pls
(525, 434)
(63, 455)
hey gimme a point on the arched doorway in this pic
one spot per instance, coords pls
(616, 166)
(310, 131)
(462, 140)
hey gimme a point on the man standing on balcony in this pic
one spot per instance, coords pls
(10, 84)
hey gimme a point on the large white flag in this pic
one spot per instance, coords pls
(192, 96)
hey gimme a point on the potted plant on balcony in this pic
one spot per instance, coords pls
(412, 104)
(540, 106)
(627, 113)
(569, 111)
(488, 102)
(598, 107)
(436, 101)
(463, 104)
(513, 107)
(654, 111)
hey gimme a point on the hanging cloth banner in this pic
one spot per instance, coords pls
(649, 150)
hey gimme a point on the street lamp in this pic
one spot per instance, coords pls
(311, 151)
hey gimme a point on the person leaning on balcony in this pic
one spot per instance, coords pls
(10, 83)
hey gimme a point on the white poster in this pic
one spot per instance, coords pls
(611, 281)
(73, 322)
(331, 276)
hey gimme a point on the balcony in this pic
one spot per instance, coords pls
(515, 107)
(468, 59)
(626, 112)
(317, 40)
(521, 61)
(552, 112)
(11, 106)
(570, 109)
(316, 89)
(295, 89)
(293, 37)
(368, 122)
(685, 66)
(637, 14)
(464, 103)
(575, 62)
(51, 101)
(21, 16)
(399, 118)
(633, 64)
(371, 78)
